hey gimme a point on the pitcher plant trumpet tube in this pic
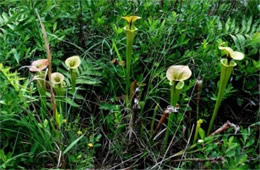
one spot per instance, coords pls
(176, 75)
(130, 34)
(199, 122)
(38, 67)
(227, 65)
(73, 63)
(57, 81)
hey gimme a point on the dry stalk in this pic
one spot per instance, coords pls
(49, 57)
(164, 116)
(224, 127)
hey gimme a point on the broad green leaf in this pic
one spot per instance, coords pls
(202, 133)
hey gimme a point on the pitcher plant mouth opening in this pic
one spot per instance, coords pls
(57, 78)
(178, 73)
(73, 62)
(39, 65)
(131, 20)
(225, 62)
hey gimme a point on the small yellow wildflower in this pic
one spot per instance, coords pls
(64, 120)
(90, 145)
(79, 132)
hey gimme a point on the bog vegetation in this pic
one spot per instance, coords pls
(139, 84)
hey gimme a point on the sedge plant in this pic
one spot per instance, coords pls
(130, 34)
(176, 74)
(227, 65)
(73, 63)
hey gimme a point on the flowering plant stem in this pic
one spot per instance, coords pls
(226, 69)
(175, 94)
(129, 51)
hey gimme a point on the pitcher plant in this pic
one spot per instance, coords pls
(176, 75)
(73, 63)
(227, 65)
(130, 34)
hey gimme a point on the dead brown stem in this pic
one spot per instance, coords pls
(163, 118)
(49, 57)
(224, 127)
(165, 114)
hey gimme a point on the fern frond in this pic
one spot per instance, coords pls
(89, 73)
(240, 31)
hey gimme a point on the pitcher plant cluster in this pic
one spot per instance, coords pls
(177, 74)
(57, 82)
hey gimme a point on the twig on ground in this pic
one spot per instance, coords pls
(224, 127)
(126, 161)
(212, 160)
